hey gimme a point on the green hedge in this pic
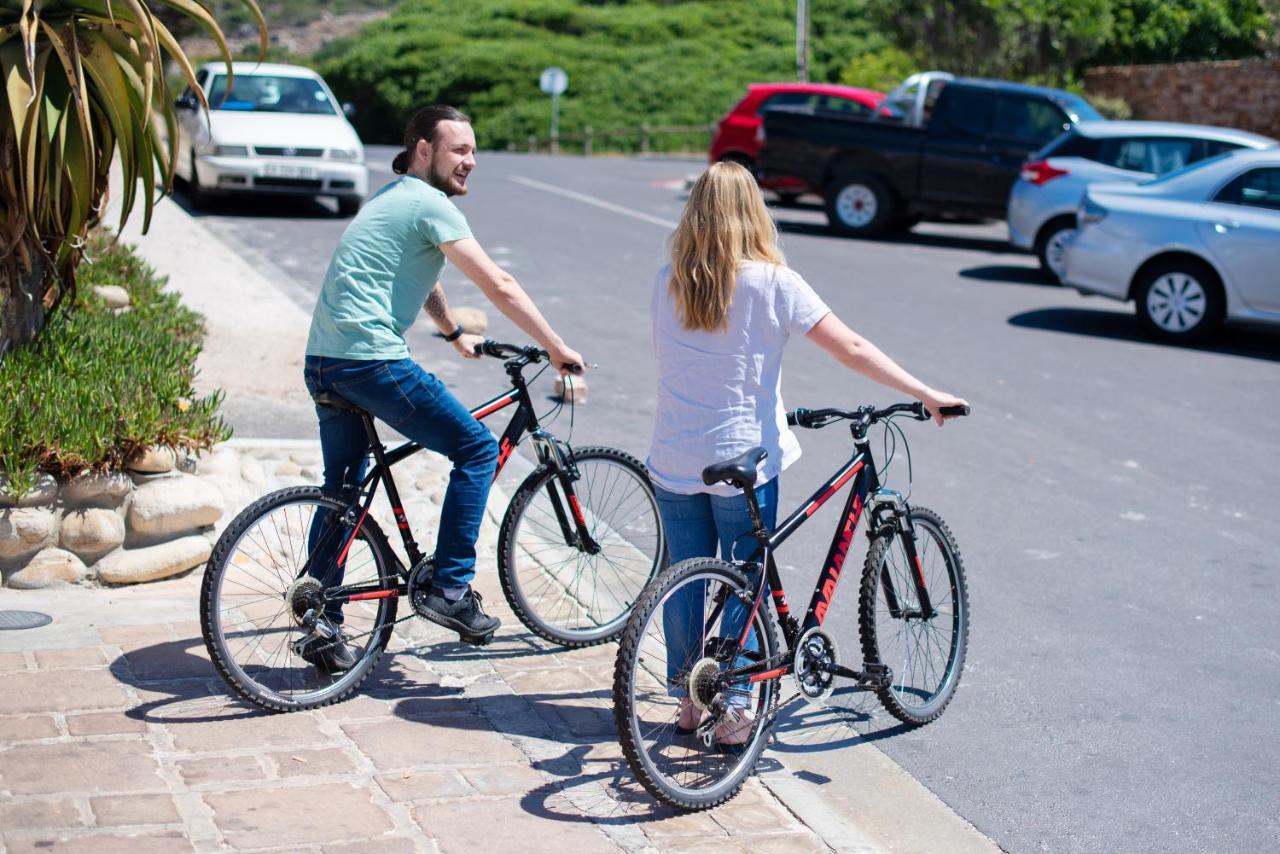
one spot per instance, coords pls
(664, 63)
(98, 386)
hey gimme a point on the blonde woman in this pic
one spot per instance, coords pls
(722, 311)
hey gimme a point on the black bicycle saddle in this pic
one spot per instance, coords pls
(739, 471)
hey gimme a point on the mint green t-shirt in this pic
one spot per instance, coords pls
(385, 264)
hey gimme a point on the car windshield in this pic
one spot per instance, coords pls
(1081, 109)
(1191, 167)
(266, 93)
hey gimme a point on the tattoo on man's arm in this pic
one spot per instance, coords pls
(437, 306)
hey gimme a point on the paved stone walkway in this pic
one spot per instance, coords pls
(124, 739)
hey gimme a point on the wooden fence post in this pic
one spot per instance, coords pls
(533, 144)
(644, 138)
(586, 141)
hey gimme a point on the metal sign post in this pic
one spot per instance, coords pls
(554, 81)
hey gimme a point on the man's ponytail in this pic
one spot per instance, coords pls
(401, 164)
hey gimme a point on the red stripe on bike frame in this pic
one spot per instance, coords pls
(577, 511)
(780, 602)
(768, 674)
(401, 522)
(377, 594)
(844, 478)
(494, 407)
(342, 558)
(920, 573)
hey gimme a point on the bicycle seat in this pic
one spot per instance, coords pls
(333, 400)
(739, 471)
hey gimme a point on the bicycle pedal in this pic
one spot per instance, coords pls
(878, 676)
(477, 640)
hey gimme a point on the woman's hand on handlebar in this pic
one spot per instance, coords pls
(469, 345)
(935, 400)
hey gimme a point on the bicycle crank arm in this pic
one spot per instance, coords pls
(877, 676)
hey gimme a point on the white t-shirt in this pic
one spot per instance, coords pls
(719, 393)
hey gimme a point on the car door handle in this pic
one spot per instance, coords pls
(1225, 227)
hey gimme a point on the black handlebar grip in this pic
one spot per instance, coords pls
(575, 368)
(955, 410)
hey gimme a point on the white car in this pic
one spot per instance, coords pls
(279, 130)
(1191, 248)
(1043, 201)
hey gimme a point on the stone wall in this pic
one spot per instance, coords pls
(1241, 94)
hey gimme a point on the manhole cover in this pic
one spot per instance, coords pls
(23, 619)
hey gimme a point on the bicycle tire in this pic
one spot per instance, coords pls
(542, 575)
(934, 686)
(631, 697)
(256, 676)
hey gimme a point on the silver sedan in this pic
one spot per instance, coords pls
(1193, 248)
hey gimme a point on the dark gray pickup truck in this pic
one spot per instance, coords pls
(880, 175)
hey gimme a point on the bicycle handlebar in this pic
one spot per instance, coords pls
(818, 418)
(498, 350)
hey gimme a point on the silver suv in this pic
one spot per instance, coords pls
(1043, 201)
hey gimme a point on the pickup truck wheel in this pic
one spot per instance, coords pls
(859, 205)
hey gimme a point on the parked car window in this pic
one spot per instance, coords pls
(964, 112)
(1219, 146)
(1069, 144)
(1155, 155)
(842, 106)
(1259, 188)
(266, 93)
(1028, 118)
(793, 100)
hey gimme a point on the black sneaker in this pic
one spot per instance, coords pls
(326, 648)
(465, 616)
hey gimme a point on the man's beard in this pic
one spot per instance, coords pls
(443, 182)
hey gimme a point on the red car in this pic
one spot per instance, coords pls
(738, 138)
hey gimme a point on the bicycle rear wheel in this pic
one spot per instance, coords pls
(260, 583)
(926, 655)
(568, 594)
(658, 663)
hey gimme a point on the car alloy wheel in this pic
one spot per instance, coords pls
(1176, 303)
(856, 205)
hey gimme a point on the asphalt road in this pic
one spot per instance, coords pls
(1113, 497)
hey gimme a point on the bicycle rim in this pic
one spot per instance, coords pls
(682, 769)
(257, 595)
(562, 591)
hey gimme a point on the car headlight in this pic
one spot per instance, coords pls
(353, 154)
(231, 150)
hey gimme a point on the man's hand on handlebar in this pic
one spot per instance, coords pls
(936, 400)
(468, 345)
(567, 361)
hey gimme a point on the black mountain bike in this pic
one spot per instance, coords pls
(580, 540)
(702, 629)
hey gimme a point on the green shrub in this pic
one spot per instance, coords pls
(879, 69)
(1111, 107)
(96, 386)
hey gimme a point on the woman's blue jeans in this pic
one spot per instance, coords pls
(420, 407)
(695, 526)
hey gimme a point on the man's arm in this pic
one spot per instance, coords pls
(438, 307)
(501, 288)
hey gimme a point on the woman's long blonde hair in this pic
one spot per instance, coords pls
(724, 224)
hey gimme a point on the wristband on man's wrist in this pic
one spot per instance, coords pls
(455, 334)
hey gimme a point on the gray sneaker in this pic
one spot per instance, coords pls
(465, 616)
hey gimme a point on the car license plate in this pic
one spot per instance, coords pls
(288, 170)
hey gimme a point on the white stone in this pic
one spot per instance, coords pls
(154, 460)
(251, 471)
(473, 320)
(25, 531)
(306, 458)
(91, 533)
(220, 462)
(113, 295)
(49, 568)
(130, 566)
(44, 492)
(173, 505)
(288, 469)
(311, 474)
(576, 386)
(92, 487)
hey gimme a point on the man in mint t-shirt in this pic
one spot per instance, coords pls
(385, 268)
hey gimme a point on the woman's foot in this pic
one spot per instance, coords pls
(734, 732)
(690, 714)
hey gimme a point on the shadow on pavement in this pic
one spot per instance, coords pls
(909, 238)
(1008, 274)
(1245, 341)
(256, 206)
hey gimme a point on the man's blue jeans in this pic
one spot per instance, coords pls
(418, 406)
(695, 525)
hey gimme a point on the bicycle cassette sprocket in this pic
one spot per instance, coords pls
(816, 658)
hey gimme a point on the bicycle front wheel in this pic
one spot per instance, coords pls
(677, 644)
(573, 593)
(268, 570)
(926, 656)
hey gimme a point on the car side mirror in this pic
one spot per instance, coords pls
(186, 102)
(349, 109)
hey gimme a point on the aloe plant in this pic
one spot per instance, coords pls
(84, 83)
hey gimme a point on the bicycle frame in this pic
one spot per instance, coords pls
(866, 490)
(524, 420)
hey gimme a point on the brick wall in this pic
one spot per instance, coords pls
(1241, 93)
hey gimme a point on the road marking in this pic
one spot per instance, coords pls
(592, 200)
